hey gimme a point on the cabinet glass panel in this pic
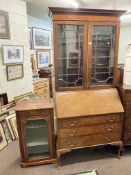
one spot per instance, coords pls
(37, 138)
(103, 51)
(70, 55)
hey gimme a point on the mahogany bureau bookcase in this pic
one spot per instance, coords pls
(88, 106)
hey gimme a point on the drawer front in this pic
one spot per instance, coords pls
(41, 85)
(128, 110)
(88, 120)
(128, 97)
(127, 124)
(127, 137)
(75, 142)
(90, 130)
(34, 113)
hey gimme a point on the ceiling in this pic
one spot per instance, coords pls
(39, 8)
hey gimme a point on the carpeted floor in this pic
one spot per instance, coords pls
(104, 159)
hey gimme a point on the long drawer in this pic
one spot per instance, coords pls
(88, 130)
(88, 120)
(30, 113)
(75, 142)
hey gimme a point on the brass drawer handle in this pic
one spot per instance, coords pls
(109, 139)
(71, 133)
(73, 122)
(110, 119)
(109, 127)
(71, 143)
(42, 113)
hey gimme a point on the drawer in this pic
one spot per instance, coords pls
(88, 120)
(127, 124)
(128, 111)
(127, 137)
(128, 96)
(83, 141)
(31, 113)
(90, 130)
(41, 85)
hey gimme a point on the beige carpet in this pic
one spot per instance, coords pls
(104, 159)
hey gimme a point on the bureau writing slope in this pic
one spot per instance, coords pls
(89, 111)
(35, 124)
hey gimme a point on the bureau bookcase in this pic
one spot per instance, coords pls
(88, 107)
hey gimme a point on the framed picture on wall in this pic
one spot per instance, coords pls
(4, 25)
(43, 58)
(14, 71)
(41, 38)
(13, 54)
(30, 36)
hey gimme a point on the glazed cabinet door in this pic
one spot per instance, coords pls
(36, 138)
(69, 55)
(103, 54)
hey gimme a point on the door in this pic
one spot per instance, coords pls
(85, 54)
(36, 137)
(69, 55)
(103, 54)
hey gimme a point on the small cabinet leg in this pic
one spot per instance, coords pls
(58, 160)
(121, 149)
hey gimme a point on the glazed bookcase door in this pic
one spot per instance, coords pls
(37, 139)
(103, 54)
(69, 56)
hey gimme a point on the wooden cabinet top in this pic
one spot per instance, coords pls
(88, 102)
(34, 104)
(84, 11)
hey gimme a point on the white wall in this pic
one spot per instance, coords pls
(125, 39)
(18, 36)
(38, 23)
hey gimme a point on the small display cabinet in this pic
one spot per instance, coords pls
(36, 132)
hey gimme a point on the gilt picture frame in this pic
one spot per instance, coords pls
(14, 71)
(24, 97)
(3, 141)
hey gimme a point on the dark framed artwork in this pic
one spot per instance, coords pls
(3, 99)
(4, 25)
(74, 59)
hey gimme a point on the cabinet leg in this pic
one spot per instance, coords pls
(58, 160)
(121, 149)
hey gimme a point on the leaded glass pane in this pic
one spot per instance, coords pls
(70, 55)
(103, 48)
